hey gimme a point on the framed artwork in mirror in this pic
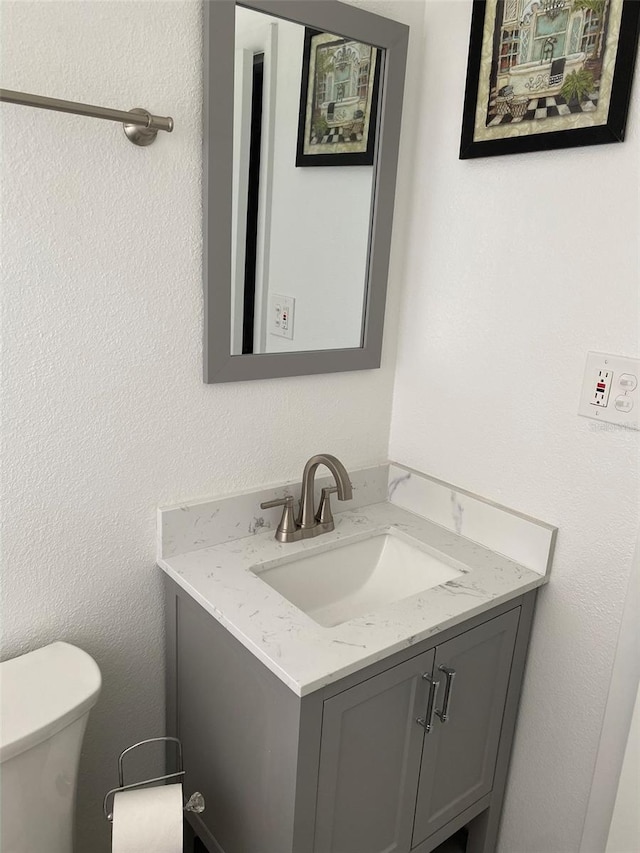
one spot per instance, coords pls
(338, 101)
(547, 74)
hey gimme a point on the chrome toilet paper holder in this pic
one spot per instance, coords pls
(195, 803)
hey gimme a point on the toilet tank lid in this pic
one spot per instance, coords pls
(42, 692)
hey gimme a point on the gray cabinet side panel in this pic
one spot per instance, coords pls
(369, 762)
(171, 703)
(239, 729)
(459, 756)
(308, 765)
(483, 831)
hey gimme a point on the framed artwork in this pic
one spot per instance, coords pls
(338, 101)
(546, 74)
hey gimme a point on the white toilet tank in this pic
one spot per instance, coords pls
(45, 699)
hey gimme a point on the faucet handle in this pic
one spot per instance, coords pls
(285, 502)
(324, 514)
(287, 526)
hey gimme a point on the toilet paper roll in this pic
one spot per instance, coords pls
(148, 820)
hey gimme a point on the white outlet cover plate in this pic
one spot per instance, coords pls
(623, 404)
(278, 304)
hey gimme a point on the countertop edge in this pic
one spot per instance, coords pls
(304, 689)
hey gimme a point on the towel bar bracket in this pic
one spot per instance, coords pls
(139, 134)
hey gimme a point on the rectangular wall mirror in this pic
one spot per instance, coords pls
(303, 102)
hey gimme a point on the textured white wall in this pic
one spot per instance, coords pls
(516, 267)
(618, 738)
(107, 415)
(624, 833)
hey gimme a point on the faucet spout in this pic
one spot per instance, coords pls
(308, 523)
(345, 493)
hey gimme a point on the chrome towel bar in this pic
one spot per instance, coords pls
(140, 126)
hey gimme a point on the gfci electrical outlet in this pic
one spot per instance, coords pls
(281, 313)
(610, 390)
(602, 388)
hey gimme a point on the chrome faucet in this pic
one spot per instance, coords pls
(309, 522)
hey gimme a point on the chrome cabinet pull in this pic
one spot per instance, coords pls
(450, 675)
(427, 721)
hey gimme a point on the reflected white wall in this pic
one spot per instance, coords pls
(316, 220)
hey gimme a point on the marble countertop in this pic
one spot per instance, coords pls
(307, 656)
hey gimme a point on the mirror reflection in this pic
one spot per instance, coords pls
(305, 120)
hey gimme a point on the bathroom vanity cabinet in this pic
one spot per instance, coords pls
(367, 764)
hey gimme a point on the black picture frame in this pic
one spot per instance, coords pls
(347, 158)
(613, 130)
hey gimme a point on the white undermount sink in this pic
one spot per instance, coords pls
(352, 578)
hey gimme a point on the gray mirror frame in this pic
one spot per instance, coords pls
(219, 39)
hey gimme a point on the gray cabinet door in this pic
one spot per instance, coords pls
(459, 756)
(370, 761)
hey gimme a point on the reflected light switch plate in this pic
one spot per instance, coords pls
(610, 390)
